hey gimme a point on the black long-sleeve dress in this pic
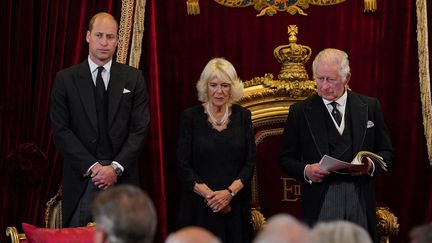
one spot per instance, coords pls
(216, 159)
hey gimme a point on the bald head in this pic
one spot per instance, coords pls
(192, 234)
(102, 16)
(283, 228)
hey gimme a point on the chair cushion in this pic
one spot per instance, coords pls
(64, 235)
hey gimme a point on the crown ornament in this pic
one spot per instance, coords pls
(292, 58)
(267, 96)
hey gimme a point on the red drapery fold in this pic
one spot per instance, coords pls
(40, 38)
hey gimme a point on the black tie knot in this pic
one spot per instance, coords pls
(100, 86)
(335, 113)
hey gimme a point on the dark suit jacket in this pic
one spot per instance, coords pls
(305, 141)
(75, 126)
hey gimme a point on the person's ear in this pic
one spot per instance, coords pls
(88, 36)
(347, 79)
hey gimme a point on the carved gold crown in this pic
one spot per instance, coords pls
(267, 97)
(293, 58)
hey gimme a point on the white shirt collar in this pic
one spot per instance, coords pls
(341, 101)
(94, 66)
(341, 107)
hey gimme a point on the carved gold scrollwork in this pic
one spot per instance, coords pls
(257, 219)
(387, 223)
(271, 7)
(193, 7)
(325, 2)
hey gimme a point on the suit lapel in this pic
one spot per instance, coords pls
(359, 117)
(115, 91)
(85, 85)
(314, 113)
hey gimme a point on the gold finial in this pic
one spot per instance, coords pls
(293, 58)
(292, 32)
(370, 6)
(193, 7)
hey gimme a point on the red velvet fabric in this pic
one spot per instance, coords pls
(64, 235)
(39, 39)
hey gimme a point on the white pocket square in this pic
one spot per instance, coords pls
(125, 91)
(370, 124)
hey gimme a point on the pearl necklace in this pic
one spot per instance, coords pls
(213, 118)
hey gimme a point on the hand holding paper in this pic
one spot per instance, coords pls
(332, 164)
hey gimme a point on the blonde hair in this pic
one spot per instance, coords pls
(336, 56)
(222, 69)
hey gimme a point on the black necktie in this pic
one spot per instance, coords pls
(100, 86)
(335, 113)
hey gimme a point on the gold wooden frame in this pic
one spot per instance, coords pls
(424, 73)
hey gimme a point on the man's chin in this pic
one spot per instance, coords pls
(328, 97)
(104, 57)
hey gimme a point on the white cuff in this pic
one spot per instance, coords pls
(304, 175)
(89, 169)
(119, 165)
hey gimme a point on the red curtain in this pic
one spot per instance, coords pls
(383, 54)
(39, 38)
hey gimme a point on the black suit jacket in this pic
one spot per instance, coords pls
(75, 126)
(305, 141)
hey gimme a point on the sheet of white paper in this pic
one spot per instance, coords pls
(329, 163)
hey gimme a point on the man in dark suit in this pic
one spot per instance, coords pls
(99, 115)
(339, 123)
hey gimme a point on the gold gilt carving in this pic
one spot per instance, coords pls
(387, 224)
(370, 6)
(258, 219)
(269, 8)
(325, 2)
(268, 97)
(193, 7)
(292, 57)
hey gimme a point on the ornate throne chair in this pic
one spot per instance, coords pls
(269, 100)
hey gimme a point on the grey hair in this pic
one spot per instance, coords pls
(283, 228)
(222, 69)
(340, 231)
(421, 233)
(126, 214)
(335, 56)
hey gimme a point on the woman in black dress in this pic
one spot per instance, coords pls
(216, 156)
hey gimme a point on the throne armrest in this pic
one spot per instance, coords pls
(387, 224)
(14, 236)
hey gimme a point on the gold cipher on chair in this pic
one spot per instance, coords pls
(269, 100)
